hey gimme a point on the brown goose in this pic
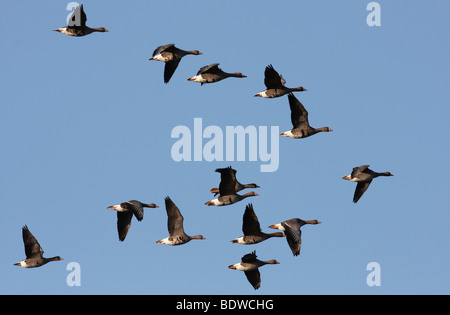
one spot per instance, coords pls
(77, 24)
(212, 73)
(293, 233)
(227, 189)
(363, 176)
(299, 119)
(171, 56)
(252, 230)
(177, 236)
(275, 84)
(125, 211)
(238, 186)
(250, 264)
(33, 251)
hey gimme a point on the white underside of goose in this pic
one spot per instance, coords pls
(173, 242)
(350, 178)
(198, 78)
(288, 134)
(262, 94)
(117, 208)
(64, 31)
(241, 267)
(165, 241)
(23, 263)
(217, 202)
(239, 240)
(160, 57)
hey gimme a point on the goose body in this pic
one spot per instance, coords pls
(252, 230)
(238, 186)
(125, 212)
(229, 199)
(300, 122)
(227, 189)
(212, 73)
(291, 229)
(171, 56)
(275, 85)
(177, 236)
(77, 25)
(363, 176)
(250, 265)
(33, 251)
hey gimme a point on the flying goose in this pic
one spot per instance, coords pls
(171, 56)
(177, 236)
(293, 233)
(227, 189)
(238, 186)
(299, 119)
(212, 73)
(252, 230)
(125, 211)
(363, 176)
(275, 84)
(250, 264)
(33, 251)
(77, 24)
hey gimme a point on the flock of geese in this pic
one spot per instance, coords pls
(229, 186)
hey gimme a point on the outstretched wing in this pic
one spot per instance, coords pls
(227, 184)
(357, 170)
(299, 115)
(272, 79)
(254, 277)
(174, 218)
(169, 69)
(162, 48)
(135, 207)
(32, 247)
(361, 188)
(250, 225)
(293, 236)
(212, 68)
(78, 18)
(123, 224)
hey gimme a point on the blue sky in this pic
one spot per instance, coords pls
(86, 123)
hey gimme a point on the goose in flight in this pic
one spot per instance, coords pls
(125, 212)
(275, 84)
(171, 56)
(33, 251)
(300, 123)
(77, 24)
(363, 175)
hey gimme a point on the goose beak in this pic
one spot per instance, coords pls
(17, 264)
(346, 177)
(232, 267)
(209, 203)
